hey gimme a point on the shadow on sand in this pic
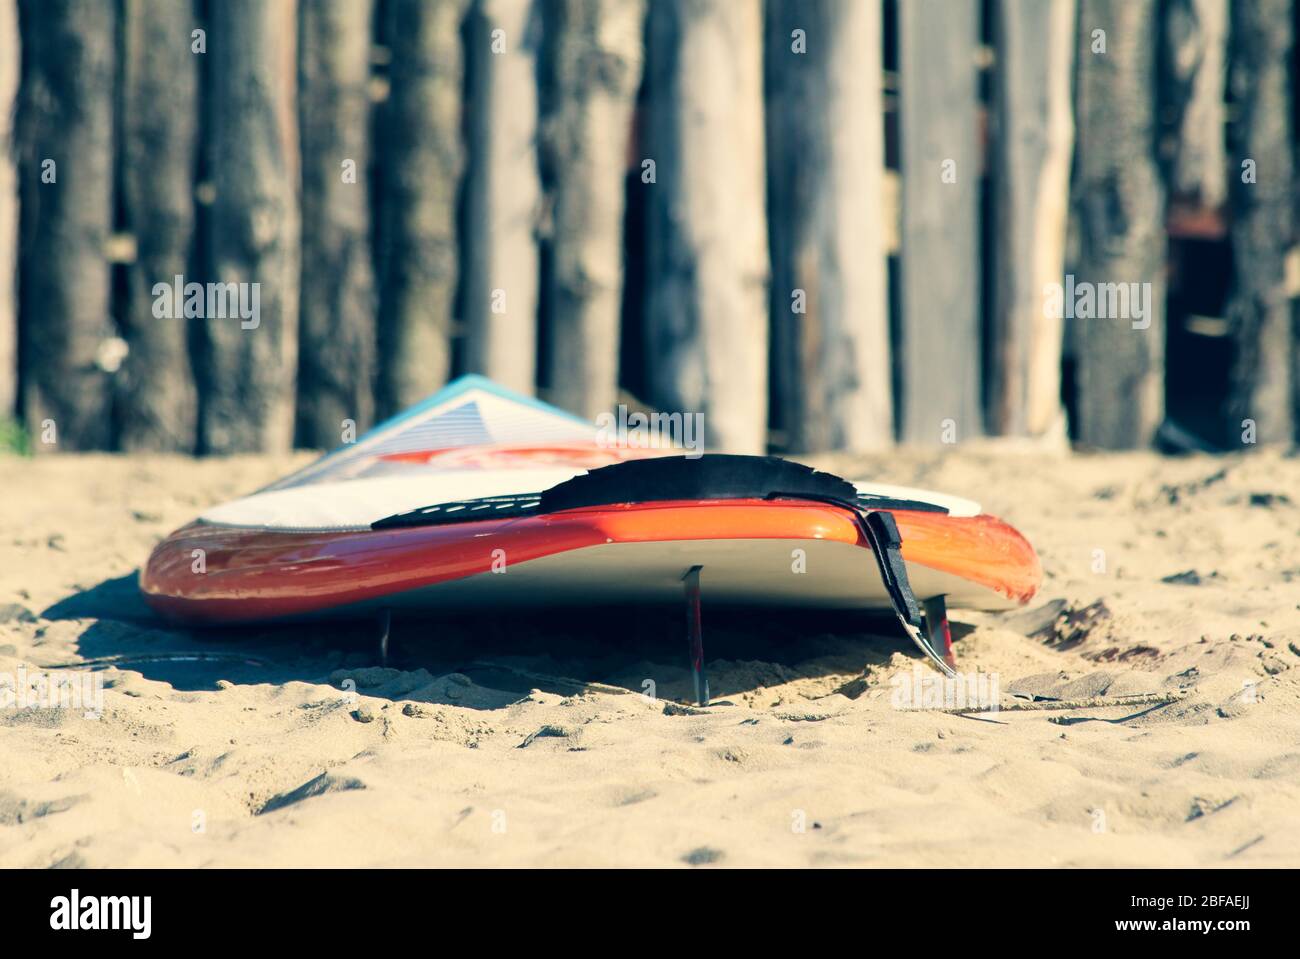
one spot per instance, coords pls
(564, 651)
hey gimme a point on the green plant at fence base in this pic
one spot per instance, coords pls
(14, 438)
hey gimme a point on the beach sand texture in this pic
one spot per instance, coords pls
(533, 741)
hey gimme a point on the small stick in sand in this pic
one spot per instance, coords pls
(544, 678)
(1092, 702)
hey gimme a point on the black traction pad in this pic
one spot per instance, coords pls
(713, 476)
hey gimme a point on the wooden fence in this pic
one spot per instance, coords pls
(824, 224)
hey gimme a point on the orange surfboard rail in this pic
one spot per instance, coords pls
(254, 574)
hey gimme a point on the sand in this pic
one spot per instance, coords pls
(491, 743)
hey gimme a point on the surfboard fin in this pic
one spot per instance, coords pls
(385, 630)
(937, 629)
(695, 634)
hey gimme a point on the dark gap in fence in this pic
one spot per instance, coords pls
(1197, 364)
(778, 332)
(545, 341)
(895, 336)
(889, 35)
(1295, 90)
(201, 262)
(118, 261)
(1171, 94)
(633, 375)
(986, 251)
(631, 360)
(889, 79)
(27, 212)
(379, 79)
(546, 108)
(1069, 368)
(473, 37)
(200, 251)
(1069, 387)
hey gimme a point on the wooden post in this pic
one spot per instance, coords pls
(1119, 204)
(825, 157)
(1196, 38)
(1262, 190)
(421, 167)
(65, 126)
(502, 190)
(9, 73)
(1030, 166)
(336, 354)
(939, 391)
(253, 226)
(157, 401)
(594, 62)
(707, 263)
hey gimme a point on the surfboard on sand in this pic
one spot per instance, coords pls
(479, 498)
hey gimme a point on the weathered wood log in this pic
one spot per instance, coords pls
(939, 362)
(502, 193)
(252, 230)
(593, 66)
(1119, 203)
(1030, 167)
(157, 404)
(1196, 39)
(421, 167)
(65, 128)
(707, 263)
(336, 352)
(825, 160)
(10, 60)
(1260, 391)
